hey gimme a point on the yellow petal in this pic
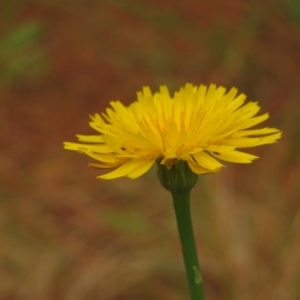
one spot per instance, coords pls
(219, 148)
(237, 102)
(71, 146)
(142, 168)
(98, 148)
(124, 170)
(198, 169)
(262, 131)
(252, 142)
(236, 156)
(105, 157)
(96, 118)
(105, 166)
(254, 121)
(248, 110)
(206, 161)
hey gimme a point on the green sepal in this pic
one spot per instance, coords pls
(178, 179)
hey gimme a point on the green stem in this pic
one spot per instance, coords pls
(184, 224)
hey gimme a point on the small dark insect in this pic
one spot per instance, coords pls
(123, 148)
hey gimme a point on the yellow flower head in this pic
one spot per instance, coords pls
(199, 125)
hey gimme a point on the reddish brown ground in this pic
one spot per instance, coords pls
(66, 235)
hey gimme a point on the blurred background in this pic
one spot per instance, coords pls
(65, 234)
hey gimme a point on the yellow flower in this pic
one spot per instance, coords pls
(199, 125)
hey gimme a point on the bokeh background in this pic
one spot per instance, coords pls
(65, 234)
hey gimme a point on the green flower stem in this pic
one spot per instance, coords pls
(181, 203)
